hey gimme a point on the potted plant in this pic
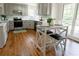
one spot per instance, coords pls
(49, 20)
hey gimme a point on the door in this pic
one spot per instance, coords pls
(76, 24)
(68, 14)
(71, 19)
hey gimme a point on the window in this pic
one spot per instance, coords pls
(68, 16)
(76, 26)
(71, 19)
(32, 9)
(44, 9)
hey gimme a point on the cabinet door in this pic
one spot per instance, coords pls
(5, 33)
(25, 23)
(0, 10)
(7, 26)
(8, 9)
(24, 10)
(11, 25)
(44, 9)
(30, 24)
(13, 9)
(1, 37)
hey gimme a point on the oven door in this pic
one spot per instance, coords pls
(18, 24)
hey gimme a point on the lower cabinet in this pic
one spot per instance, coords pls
(28, 24)
(3, 34)
(11, 25)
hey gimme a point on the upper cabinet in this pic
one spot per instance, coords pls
(15, 9)
(44, 9)
(1, 8)
(19, 9)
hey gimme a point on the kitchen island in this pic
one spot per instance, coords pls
(3, 34)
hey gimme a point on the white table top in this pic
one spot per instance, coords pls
(50, 27)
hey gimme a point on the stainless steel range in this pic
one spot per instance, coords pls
(18, 23)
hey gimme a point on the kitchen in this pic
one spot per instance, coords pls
(18, 25)
(14, 17)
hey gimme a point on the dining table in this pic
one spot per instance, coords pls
(44, 28)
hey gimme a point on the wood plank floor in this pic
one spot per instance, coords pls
(21, 44)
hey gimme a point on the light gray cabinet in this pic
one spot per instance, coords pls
(11, 25)
(3, 34)
(29, 24)
(25, 24)
(15, 9)
(44, 9)
(8, 26)
(1, 8)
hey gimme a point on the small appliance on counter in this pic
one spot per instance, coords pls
(3, 17)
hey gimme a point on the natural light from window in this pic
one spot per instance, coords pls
(68, 16)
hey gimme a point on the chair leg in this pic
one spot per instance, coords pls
(64, 47)
(61, 47)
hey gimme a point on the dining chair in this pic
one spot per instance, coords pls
(52, 39)
(61, 36)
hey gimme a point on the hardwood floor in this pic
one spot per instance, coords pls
(22, 44)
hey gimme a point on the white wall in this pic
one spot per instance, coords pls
(32, 9)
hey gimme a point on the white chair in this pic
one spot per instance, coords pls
(60, 36)
(47, 40)
(43, 42)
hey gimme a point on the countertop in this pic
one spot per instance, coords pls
(24, 20)
(3, 24)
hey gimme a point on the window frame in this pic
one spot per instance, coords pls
(73, 20)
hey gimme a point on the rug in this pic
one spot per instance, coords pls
(20, 31)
